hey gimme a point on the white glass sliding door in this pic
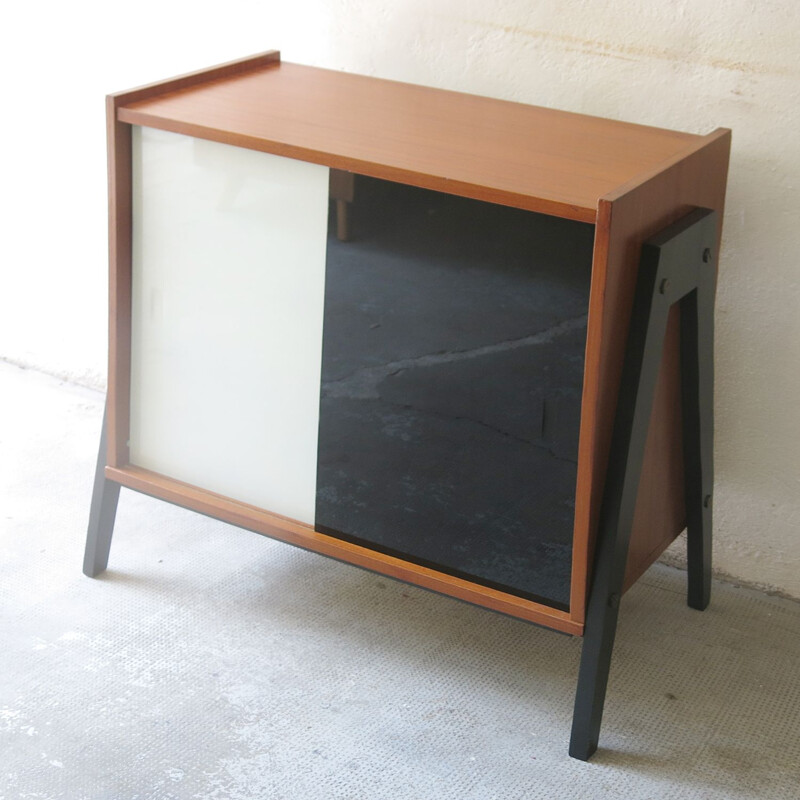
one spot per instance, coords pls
(228, 289)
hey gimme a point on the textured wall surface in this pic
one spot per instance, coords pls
(691, 66)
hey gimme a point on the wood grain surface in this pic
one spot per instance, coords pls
(300, 535)
(119, 285)
(540, 159)
(627, 217)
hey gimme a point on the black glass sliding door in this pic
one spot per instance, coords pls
(452, 371)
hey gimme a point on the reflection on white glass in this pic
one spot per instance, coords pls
(228, 291)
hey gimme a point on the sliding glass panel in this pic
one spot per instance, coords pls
(228, 285)
(452, 372)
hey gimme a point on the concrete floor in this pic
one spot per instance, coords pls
(212, 663)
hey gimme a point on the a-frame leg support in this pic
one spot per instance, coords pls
(678, 265)
(102, 514)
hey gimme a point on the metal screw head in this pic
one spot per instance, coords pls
(664, 286)
(707, 255)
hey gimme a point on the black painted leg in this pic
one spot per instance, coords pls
(640, 371)
(674, 267)
(101, 515)
(697, 363)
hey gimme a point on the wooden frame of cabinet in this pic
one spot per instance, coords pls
(630, 181)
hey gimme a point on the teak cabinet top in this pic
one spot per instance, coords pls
(539, 159)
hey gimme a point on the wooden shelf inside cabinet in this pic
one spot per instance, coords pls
(432, 393)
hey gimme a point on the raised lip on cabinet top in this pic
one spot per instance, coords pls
(540, 159)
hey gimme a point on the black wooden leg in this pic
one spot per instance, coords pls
(102, 513)
(674, 267)
(697, 363)
(598, 644)
(640, 371)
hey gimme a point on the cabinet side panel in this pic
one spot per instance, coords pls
(227, 302)
(636, 213)
(119, 285)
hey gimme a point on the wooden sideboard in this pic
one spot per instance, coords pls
(494, 383)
